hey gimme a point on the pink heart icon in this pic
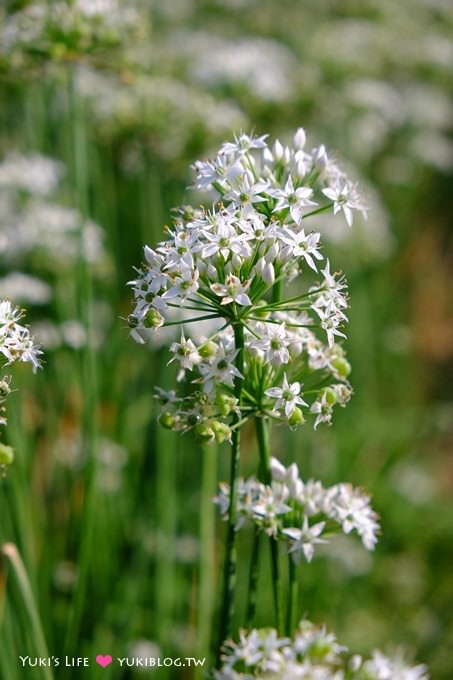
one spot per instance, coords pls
(104, 660)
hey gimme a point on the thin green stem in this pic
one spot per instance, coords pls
(277, 291)
(323, 208)
(253, 580)
(182, 322)
(207, 550)
(262, 432)
(200, 308)
(229, 575)
(293, 592)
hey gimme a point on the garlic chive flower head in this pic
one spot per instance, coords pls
(312, 652)
(301, 514)
(230, 264)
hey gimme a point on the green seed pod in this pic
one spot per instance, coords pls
(296, 418)
(330, 396)
(167, 420)
(342, 366)
(6, 454)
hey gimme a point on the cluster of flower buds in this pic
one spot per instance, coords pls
(301, 514)
(311, 653)
(16, 344)
(226, 266)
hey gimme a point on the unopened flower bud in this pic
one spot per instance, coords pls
(225, 403)
(260, 266)
(222, 431)
(285, 255)
(299, 138)
(207, 350)
(295, 348)
(342, 366)
(6, 454)
(212, 272)
(329, 395)
(278, 150)
(268, 274)
(301, 168)
(202, 267)
(263, 248)
(153, 319)
(296, 418)
(272, 253)
(167, 420)
(236, 262)
(205, 433)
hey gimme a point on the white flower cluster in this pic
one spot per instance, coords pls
(33, 222)
(301, 514)
(311, 653)
(227, 265)
(33, 174)
(41, 31)
(16, 344)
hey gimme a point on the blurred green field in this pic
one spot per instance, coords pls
(110, 513)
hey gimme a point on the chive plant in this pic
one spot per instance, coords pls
(249, 349)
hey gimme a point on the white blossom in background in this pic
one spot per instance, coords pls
(301, 514)
(25, 288)
(31, 173)
(312, 652)
(38, 32)
(34, 224)
(264, 66)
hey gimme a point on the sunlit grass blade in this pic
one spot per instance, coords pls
(16, 567)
